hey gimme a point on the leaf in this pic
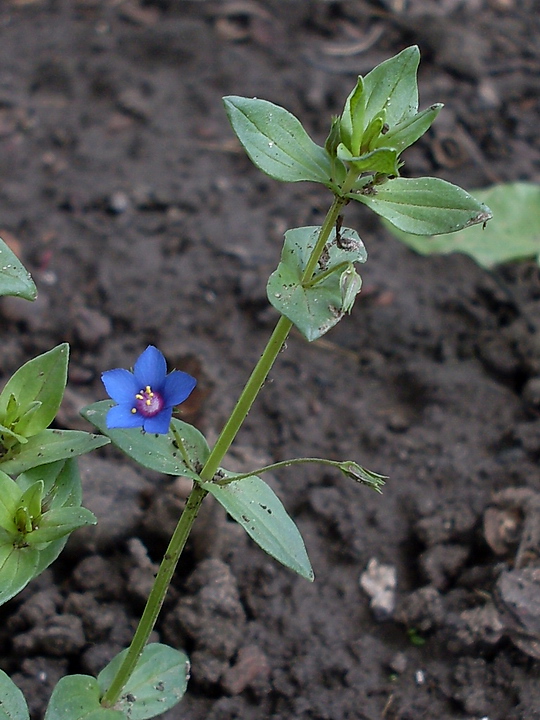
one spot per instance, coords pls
(31, 499)
(255, 506)
(10, 495)
(276, 142)
(424, 206)
(14, 278)
(56, 524)
(49, 446)
(61, 483)
(513, 234)
(12, 703)
(77, 697)
(316, 308)
(157, 684)
(408, 131)
(61, 489)
(392, 87)
(383, 160)
(6, 431)
(156, 452)
(42, 379)
(352, 117)
(17, 567)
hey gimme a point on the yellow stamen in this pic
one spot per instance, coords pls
(133, 410)
(139, 396)
(149, 390)
(148, 402)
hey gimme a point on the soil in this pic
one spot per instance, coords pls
(126, 195)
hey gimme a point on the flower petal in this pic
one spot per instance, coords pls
(150, 369)
(160, 423)
(121, 385)
(120, 416)
(178, 386)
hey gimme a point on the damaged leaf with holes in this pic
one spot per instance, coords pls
(317, 305)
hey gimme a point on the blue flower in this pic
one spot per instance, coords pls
(147, 395)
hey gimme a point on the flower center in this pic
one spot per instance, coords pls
(148, 402)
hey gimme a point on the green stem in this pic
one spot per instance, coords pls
(157, 595)
(323, 275)
(224, 441)
(277, 466)
(267, 359)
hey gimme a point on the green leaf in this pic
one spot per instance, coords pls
(157, 684)
(77, 697)
(156, 452)
(17, 567)
(392, 87)
(383, 160)
(31, 499)
(43, 380)
(20, 559)
(12, 703)
(10, 495)
(424, 206)
(513, 234)
(406, 133)
(49, 446)
(62, 488)
(317, 307)
(372, 132)
(255, 506)
(56, 524)
(61, 483)
(25, 421)
(333, 139)
(6, 431)
(14, 278)
(276, 142)
(352, 118)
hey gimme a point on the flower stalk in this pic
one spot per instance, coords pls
(157, 595)
(223, 443)
(272, 349)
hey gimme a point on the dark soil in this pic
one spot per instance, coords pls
(125, 193)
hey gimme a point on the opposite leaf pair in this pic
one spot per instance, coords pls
(360, 160)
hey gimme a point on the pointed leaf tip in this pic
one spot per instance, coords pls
(276, 142)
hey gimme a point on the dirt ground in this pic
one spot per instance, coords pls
(126, 195)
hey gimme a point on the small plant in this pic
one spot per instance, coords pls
(313, 287)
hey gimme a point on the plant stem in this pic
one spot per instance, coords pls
(323, 275)
(157, 595)
(224, 441)
(267, 359)
(278, 465)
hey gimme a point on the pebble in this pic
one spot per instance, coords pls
(398, 663)
(380, 582)
(251, 664)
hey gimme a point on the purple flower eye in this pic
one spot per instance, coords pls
(146, 397)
